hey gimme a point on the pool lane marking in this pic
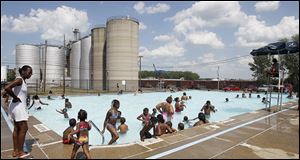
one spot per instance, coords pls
(212, 136)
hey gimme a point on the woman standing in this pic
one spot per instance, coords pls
(17, 109)
(111, 120)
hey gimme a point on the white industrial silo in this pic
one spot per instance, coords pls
(75, 64)
(122, 37)
(29, 55)
(98, 58)
(55, 62)
(4, 73)
(85, 62)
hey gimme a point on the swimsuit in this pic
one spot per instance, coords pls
(83, 139)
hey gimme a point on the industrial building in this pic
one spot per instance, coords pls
(102, 60)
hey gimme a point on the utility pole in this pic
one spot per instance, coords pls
(218, 79)
(140, 76)
(44, 84)
(64, 86)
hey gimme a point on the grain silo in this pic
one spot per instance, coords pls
(98, 57)
(75, 64)
(85, 62)
(122, 53)
(27, 54)
(55, 62)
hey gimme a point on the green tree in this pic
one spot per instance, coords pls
(288, 61)
(291, 63)
(187, 75)
(11, 74)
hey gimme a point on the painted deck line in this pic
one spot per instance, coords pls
(212, 136)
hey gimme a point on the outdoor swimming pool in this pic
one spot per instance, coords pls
(131, 106)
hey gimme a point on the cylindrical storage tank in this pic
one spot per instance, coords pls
(75, 64)
(3, 73)
(98, 58)
(122, 53)
(29, 55)
(85, 62)
(55, 62)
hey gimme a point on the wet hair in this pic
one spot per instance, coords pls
(180, 126)
(72, 122)
(274, 60)
(115, 102)
(176, 99)
(35, 97)
(145, 110)
(160, 118)
(169, 99)
(169, 123)
(184, 93)
(24, 68)
(226, 99)
(82, 115)
(123, 120)
(154, 110)
(190, 97)
(201, 117)
(185, 118)
(67, 100)
(207, 101)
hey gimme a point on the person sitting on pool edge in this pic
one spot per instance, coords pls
(161, 127)
(72, 123)
(202, 119)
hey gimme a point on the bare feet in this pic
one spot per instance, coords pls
(15, 153)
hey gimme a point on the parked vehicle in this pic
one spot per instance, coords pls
(262, 89)
(251, 88)
(231, 88)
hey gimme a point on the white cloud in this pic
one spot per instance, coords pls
(207, 58)
(142, 26)
(158, 8)
(256, 33)
(52, 23)
(139, 7)
(173, 49)
(265, 6)
(205, 38)
(208, 14)
(164, 38)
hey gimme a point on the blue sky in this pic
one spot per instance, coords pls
(180, 35)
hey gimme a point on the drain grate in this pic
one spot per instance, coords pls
(41, 127)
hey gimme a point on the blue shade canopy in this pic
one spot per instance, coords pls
(277, 48)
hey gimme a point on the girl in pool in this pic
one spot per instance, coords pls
(111, 120)
(82, 131)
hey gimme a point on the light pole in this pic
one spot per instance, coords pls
(140, 77)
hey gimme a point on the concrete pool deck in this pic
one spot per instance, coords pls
(254, 135)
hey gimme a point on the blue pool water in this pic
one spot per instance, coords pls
(132, 106)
